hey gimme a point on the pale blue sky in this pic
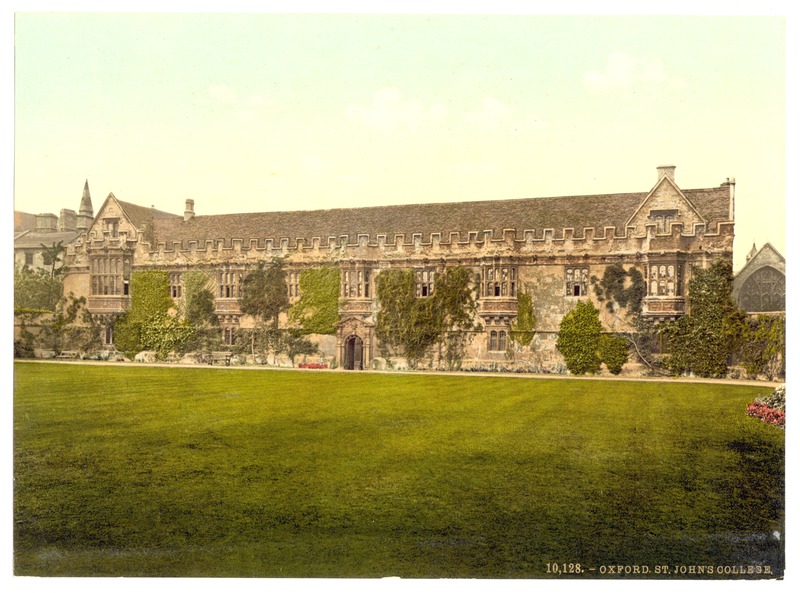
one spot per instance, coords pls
(250, 112)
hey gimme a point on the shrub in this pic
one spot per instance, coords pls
(613, 352)
(578, 339)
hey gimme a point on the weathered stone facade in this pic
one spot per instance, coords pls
(549, 248)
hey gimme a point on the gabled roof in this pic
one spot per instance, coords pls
(756, 260)
(138, 215)
(666, 179)
(558, 213)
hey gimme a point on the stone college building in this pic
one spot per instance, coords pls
(548, 248)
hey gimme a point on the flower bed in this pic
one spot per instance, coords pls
(771, 408)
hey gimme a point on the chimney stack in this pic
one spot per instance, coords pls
(188, 214)
(666, 170)
(68, 221)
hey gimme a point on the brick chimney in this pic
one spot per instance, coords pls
(188, 213)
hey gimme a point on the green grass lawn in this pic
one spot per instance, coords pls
(147, 471)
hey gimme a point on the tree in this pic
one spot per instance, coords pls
(703, 341)
(265, 293)
(763, 350)
(52, 255)
(579, 337)
(36, 289)
(198, 301)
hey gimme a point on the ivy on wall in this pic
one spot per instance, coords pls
(69, 327)
(625, 288)
(763, 350)
(317, 311)
(411, 326)
(522, 330)
(148, 325)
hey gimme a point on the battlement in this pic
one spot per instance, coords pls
(525, 241)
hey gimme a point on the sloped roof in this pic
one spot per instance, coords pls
(24, 221)
(139, 215)
(578, 212)
(36, 240)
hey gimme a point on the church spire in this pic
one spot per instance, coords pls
(86, 201)
(86, 212)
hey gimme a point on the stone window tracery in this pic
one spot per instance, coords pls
(109, 275)
(499, 281)
(498, 340)
(425, 282)
(577, 281)
(356, 283)
(230, 283)
(665, 279)
(764, 290)
(175, 286)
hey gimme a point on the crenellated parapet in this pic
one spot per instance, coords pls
(513, 242)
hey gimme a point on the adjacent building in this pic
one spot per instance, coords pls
(34, 233)
(550, 248)
(760, 286)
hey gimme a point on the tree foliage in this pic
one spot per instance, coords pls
(763, 350)
(52, 255)
(579, 337)
(703, 341)
(198, 300)
(613, 352)
(36, 289)
(265, 295)
(317, 311)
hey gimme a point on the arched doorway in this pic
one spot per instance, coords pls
(354, 354)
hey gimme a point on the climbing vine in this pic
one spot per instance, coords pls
(151, 324)
(522, 330)
(317, 311)
(411, 326)
(625, 288)
(763, 350)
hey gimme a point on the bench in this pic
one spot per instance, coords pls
(313, 365)
(69, 354)
(221, 357)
